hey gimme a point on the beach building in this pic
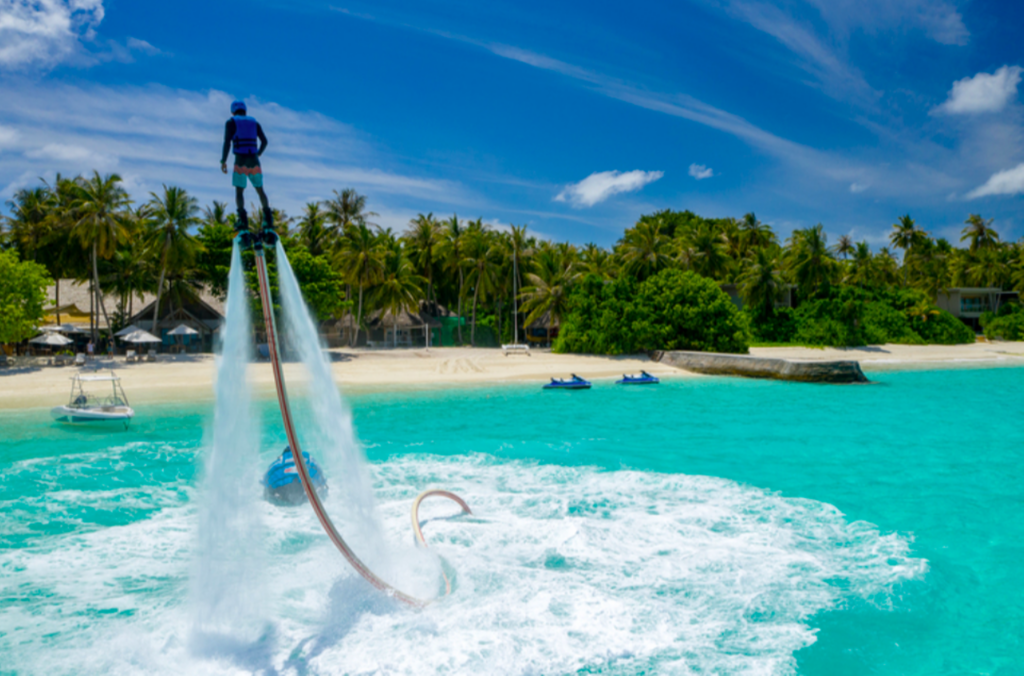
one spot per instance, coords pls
(969, 303)
(200, 310)
(380, 326)
(543, 330)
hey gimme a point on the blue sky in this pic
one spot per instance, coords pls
(573, 117)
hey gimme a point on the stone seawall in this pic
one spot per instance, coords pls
(760, 367)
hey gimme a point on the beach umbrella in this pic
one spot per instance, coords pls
(131, 328)
(141, 336)
(182, 330)
(52, 340)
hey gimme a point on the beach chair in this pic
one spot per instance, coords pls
(79, 359)
(151, 356)
(130, 357)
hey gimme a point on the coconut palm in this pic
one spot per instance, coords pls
(171, 215)
(755, 233)
(100, 206)
(645, 251)
(597, 261)
(905, 236)
(423, 236)
(347, 209)
(761, 284)
(216, 214)
(861, 269)
(400, 288)
(314, 234)
(844, 246)
(706, 251)
(361, 259)
(987, 268)
(483, 257)
(451, 255)
(548, 288)
(810, 259)
(979, 232)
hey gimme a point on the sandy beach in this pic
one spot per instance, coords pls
(192, 377)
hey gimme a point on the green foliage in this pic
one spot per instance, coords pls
(1007, 325)
(672, 310)
(213, 263)
(22, 295)
(321, 286)
(850, 316)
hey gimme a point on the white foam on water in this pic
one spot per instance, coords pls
(227, 584)
(325, 431)
(558, 570)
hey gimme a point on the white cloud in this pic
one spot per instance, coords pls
(1008, 182)
(983, 93)
(601, 185)
(45, 32)
(47, 128)
(858, 187)
(700, 172)
(137, 45)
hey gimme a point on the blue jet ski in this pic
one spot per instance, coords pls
(644, 378)
(574, 383)
(281, 483)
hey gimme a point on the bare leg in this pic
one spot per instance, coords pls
(263, 199)
(240, 198)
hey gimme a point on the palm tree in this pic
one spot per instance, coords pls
(400, 287)
(811, 261)
(987, 268)
(549, 287)
(761, 283)
(980, 232)
(450, 251)
(645, 250)
(423, 236)
(706, 251)
(347, 209)
(598, 261)
(361, 262)
(216, 214)
(906, 234)
(313, 233)
(755, 233)
(844, 246)
(171, 217)
(29, 225)
(100, 227)
(861, 270)
(482, 259)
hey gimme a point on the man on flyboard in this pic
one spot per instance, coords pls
(244, 131)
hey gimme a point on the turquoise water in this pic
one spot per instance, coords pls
(701, 526)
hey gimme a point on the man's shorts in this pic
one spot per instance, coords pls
(247, 166)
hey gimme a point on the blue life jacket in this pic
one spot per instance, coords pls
(245, 135)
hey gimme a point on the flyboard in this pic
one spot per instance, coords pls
(256, 240)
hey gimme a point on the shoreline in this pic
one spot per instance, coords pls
(175, 379)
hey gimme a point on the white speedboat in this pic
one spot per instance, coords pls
(84, 407)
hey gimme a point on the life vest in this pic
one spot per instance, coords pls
(245, 135)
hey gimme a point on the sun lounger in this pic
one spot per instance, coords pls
(79, 359)
(151, 356)
(130, 356)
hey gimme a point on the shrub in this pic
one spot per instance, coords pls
(672, 310)
(1008, 325)
(943, 329)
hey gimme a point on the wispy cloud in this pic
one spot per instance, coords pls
(47, 128)
(601, 185)
(983, 93)
(1008, 182)
(45, 32)
(857, 188)
(700, 172)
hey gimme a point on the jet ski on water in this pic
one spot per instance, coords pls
(574, 383)
(281, 483)
(644, 378)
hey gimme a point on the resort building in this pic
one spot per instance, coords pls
(969, 303)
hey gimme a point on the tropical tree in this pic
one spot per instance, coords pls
(811, 261)
(400, 288)
(645, 251)
(361, 259)
(597, 261)
(481, 262)
(979, 232)
(171, 215)
(905, 236)
(314, 234)
(844, 246)
(347, 209)
(100, 227)
(548, 289)
(451, 255)
(705, 249)
(761, 284)
(861, 269)
(755, 233)
(423, 237)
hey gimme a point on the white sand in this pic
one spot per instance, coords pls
(191, 378)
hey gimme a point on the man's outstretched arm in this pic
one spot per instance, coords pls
(229, 133)
(263, 139)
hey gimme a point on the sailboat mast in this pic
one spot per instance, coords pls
(515, 300)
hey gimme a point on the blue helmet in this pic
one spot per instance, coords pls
(237, 106)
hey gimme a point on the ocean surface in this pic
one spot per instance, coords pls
(703, 526)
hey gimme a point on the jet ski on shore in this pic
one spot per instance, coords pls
(574, 383)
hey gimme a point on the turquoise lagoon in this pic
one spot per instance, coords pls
(705, 526)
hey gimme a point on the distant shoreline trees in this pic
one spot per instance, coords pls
(88, 229)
